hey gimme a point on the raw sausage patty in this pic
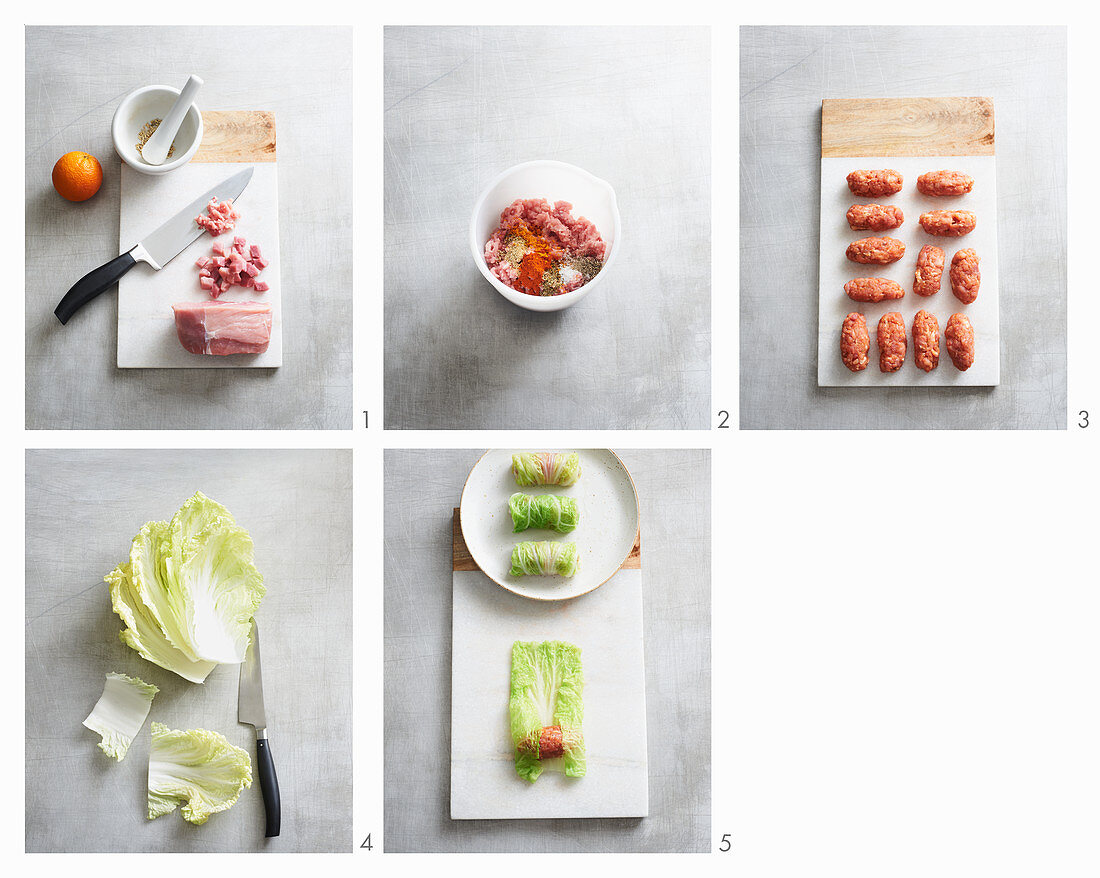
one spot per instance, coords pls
(874, 217)
(948, 223)
(876, 251)
(939, 183)
(875, 184)
(958, 336)
(966, 276)
(873, 289)
(854, 342)
(926, 341)
(926, 281)
(891, 342)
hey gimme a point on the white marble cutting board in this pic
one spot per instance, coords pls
(146, 326)
(607, 625)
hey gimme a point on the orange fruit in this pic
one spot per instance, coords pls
(77, 176)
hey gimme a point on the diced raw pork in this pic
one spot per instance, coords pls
(237, 265)
(260, 286)
(219, 218)
(222, 328)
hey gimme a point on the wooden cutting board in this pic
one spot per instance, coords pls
(232, 140)
(910, 135)
(907, 126)
(607, 625)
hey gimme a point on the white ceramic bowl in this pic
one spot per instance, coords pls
(590, 196)
(142, 106)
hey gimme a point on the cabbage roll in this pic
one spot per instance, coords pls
(546, 468)
(545, 558)
(546, 709)
(545, 511)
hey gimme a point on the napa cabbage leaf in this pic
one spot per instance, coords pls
(197, 769)
(189, 590)
(120, 713)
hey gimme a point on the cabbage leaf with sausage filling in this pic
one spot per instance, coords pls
(546, 468)
(546, 709)
(545, 558)
(545, 511)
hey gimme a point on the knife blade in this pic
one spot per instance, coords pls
(158, 249)
(250, 710)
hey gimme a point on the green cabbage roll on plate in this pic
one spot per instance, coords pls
(545, 558)
(544, 512)
(493, 520)
(546, 468)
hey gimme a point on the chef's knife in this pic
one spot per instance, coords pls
(158, 249)
(250, 709)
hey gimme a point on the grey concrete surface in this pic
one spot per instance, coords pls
(785, 73)
(630, 105)
(82, 510)
(674, 493)
(75, 78)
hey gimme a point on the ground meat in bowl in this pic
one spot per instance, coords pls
(542, 249)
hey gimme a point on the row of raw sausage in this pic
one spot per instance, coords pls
(876, 184)
(855, 341)
(966, 278)
(884, 217)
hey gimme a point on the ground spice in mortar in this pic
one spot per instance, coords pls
(146, 132)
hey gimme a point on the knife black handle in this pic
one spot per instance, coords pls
(269, 786)
(92, 284)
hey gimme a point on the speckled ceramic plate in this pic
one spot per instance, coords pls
(604, 537)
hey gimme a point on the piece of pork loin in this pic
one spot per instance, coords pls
(222, 328)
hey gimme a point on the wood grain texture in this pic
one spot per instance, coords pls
(907, 126)
(237, 136)
(461, 559)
